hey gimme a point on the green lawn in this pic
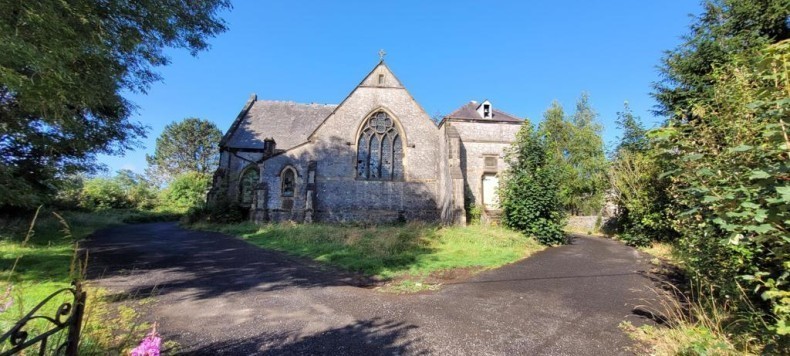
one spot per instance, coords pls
(39, 263)
(390, 251)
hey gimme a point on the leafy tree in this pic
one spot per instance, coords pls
(558, 133)
(634, 139)
(191, 145)
(69, 190)
(725, 28)
(644, 206)
(639, 190)
(104, 193)
(729, 180)
(186, 191)
(126, 190)
(643, 213)
(576, 148)
(588, 159)
(63, 69)
(530, 193)
(140, 192)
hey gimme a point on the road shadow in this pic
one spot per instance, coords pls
(145, 260)
(367, 337)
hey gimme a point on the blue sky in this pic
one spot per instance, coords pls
(521, 55)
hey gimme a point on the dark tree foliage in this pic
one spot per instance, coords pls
(63, 69)
(725, 28)
(633, 139)
(729, 182)
(724, 154)
(530, 194)
(637, 187)
(191, 145)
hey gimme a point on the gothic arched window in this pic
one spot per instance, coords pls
(249, 178)
(380, 149)
(288, 182)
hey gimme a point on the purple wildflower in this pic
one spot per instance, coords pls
(7, 299)
(149, 346)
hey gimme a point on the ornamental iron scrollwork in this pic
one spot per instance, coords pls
(72, 311)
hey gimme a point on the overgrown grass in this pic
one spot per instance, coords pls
(39, 261)
(389, 251)
(662, 250)
(696, 323)
(583, 231)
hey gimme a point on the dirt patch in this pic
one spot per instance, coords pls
(454, 275)
(417, 283)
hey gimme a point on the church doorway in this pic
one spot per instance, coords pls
(490, 191)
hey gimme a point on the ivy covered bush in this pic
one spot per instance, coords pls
(530, 191)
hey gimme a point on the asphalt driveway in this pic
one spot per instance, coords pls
(216, 294)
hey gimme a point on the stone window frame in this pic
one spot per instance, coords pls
(249, 168)
(401, 134)
(292, 169)
(495, 167)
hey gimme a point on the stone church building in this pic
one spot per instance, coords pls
(375, 157)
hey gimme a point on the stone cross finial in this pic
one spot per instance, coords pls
(382, 54)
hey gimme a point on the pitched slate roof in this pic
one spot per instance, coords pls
(288, 123)
(469, 112)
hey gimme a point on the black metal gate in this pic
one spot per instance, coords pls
(20, 339)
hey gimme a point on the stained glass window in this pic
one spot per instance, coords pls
(247, 185)
(380, 149)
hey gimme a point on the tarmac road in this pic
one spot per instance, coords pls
(217, 294)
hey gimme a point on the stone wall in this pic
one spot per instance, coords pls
(481, 140)
(584, 224)
(434, 185)
(338, 194)
(233, 164)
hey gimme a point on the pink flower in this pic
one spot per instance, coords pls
(149, 346)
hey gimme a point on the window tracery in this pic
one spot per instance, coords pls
(380, 149)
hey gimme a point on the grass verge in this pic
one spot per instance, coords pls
(39, 260)
(663, 253)
(695, 322)
(415, 250)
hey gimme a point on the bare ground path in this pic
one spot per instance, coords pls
(220, 295)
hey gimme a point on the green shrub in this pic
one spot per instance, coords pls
(530, 194)
(104, 193)
(69, 196)
(221, 211)
(126, 190)
(186, 191)
(475, 213)
(635, 238)
(151, 216)
(729, 181)
(641, 195)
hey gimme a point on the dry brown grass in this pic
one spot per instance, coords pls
(693, 324)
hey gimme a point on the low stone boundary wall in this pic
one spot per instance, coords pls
(584, 223)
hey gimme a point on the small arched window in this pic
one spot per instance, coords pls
(288, 182)
(380, 149)
(249, 178)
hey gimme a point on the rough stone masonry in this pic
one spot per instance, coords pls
(375, 157)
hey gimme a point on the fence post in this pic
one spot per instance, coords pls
(73, 338)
